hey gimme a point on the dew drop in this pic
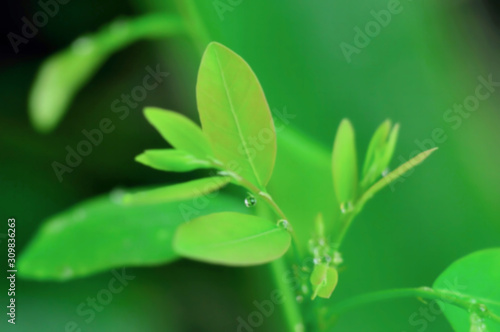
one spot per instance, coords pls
(299, 299)
(283, 223)
(250, 201)
(482, 308)
(385, 172)
(346, 207)
(328, 259)
(316, 260)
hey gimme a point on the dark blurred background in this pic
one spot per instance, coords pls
(426, 60)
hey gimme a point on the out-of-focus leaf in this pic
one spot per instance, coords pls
(394, 175)
(171, 160)
(344, 163)
(102, 233)
(176, 192)
(477, 276)
(324, 279)
(64, 73)
(235, 115)
(230, 238)
(179, 131)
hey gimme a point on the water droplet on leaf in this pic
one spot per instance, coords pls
(346, 207)
(283, 223)
(299, 299)
(250, 201)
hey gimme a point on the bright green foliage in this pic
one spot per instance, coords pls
(230, 238)
(238, 139)
(101, 234)
(344, 164)
(476, 276)
(177, 192)
(179, 131)
(66, 72)
(394, 175)
(235, 115)
(379, 152)
(171, 160)
(324, 279)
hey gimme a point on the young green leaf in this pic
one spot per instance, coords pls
(324, 279)
(230, 238)
(171, 160)
(101, 234)
(394, 175)
(390, 146)
(344, 163)
(476, 276)
(176, 192)
(179, 131)
(63, 74)
(372, 167)
(235, 115)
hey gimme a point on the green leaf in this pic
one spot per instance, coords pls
(344, 163)
(476, 276)
(235, 115)
(63, 74)
(179, 131)
(324, 279)
(390, 146)
(379, 154)
(101, 234)
(230, 238)
(394, 175)
(171, 160)
(176, 192)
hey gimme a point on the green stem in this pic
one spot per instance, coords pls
(340, 234)
(462, 301)
(290, 308)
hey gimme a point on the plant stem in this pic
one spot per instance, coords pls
(292, 313)
(462, 301)
(338, 237)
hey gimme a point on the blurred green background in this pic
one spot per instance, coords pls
(427, 59)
